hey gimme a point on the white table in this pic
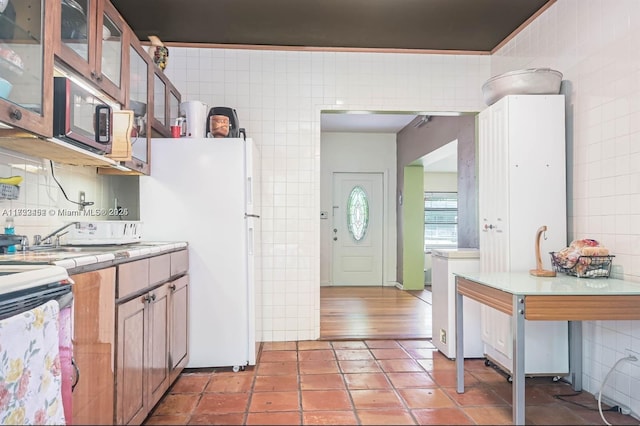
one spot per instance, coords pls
(560, 298)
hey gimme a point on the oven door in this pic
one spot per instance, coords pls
(80, 117)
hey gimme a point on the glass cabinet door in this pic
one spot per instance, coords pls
(159, 100)
(166, 104)
(110, 32)
(75, 24)
(174, 107)
(138, 102)
(26, 65)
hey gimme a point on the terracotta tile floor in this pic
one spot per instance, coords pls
(368, 382)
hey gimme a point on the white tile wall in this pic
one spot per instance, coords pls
(595, 44)
(279, 96)
(41, 206)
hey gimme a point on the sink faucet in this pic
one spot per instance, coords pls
(37, 240)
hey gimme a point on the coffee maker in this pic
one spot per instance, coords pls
(234, 125)
(193, 119)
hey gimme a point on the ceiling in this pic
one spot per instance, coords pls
(452, 25)
(365, 122)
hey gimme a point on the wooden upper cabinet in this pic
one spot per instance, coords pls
(166, 104)
(90, 40)
(138, 98)
(26, 66)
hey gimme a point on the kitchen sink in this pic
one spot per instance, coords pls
(49, 253)
(73, 249)
(76, 249)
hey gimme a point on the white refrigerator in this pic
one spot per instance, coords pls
(204, 192)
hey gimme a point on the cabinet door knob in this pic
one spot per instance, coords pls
(172, 287)
(15, 114)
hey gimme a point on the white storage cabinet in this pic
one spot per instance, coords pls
(522, 186)
(445, 263)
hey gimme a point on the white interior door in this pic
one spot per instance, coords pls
(356, 233)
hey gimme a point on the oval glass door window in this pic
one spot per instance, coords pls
(358, 213)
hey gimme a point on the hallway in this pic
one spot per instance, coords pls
(374, 313)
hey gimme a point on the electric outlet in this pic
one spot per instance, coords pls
(443, 336)
(631, 353)
(82, 198)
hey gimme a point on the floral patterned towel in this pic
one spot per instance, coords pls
(30, 378)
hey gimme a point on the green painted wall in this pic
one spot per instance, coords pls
(413, 228)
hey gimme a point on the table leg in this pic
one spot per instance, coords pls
(459, 344)
(575, 354)
(517, 389)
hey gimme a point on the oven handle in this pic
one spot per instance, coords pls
(77, 375)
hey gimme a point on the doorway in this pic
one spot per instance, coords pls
(357, 236)
(348, 144)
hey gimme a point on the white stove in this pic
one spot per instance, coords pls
(24, 287)
(15, 278)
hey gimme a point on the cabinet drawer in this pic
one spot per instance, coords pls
(132, 277)
(179, 262)
(159, 269)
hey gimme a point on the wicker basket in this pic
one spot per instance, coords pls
(584, 266)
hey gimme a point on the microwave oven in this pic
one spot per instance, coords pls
(80, 117)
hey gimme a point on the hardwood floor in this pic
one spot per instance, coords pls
(374, 313)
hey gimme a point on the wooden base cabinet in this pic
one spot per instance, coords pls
(142, 373)
(158, 344)
(151, 334)
(131, 406)
(178, 326)
(94, 346)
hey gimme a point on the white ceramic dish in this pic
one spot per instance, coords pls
(532, 81)
(5, 88)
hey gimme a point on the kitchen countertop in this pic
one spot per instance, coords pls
(78, 259)
(524, 283)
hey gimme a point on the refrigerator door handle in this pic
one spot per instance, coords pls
(250, 242)
(246, 215)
